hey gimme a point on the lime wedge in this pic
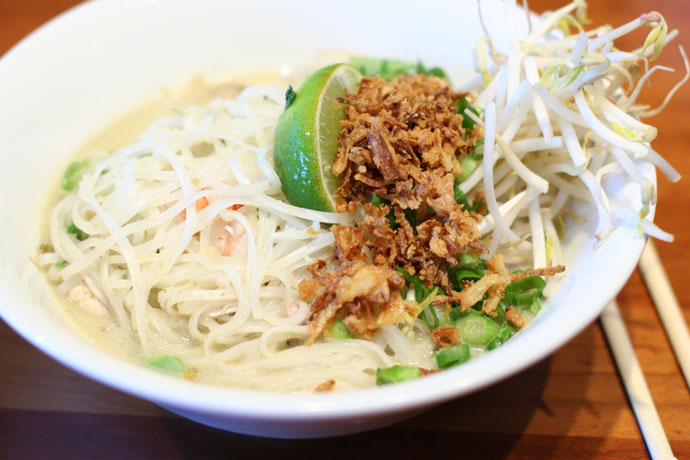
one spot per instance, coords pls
(306, 139)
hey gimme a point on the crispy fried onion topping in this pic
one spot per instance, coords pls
(364, 295)
(493, 283)
(398, 140)
(445, 337)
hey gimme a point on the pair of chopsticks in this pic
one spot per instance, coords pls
(672, 319)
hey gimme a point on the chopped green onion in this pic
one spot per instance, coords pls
(385, 68)
(435, 322)
(468, 260)
(500, 317)
(506, 332)
(409, 213)
(495, 342)
(411, 218)
(396, 374)
(435, 71)
(453, 356)
(73, 175)
(525, 290)
(427, 301)
(478, 205)
(468, 267)
(61, 264)
(391, 68)
(74, 230)
(340, 331)
(468, 274)
(378, 201)
(457, 313)
(477, 329)
(423, 296)
(478, 150)
(391, 221)
(460, 198)
(457, 276)
(535, 306)
(467, 122)
(167, 363)
(468, 164)
(420, 290)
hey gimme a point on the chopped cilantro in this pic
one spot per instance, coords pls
(290, 96)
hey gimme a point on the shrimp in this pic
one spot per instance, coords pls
(227, 236)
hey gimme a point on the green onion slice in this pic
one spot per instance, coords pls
(377, 200)
(500, 317)
(168, 363)
(506, 332)
(468, 164)
(525, 290)
(460, 198)
(73, 175)
(535, 306)
(478, 150)
(420, 290)
(453, 356)
(340, 331)
(396, 374)
(467, 122)
(468, 260)
(426, 307)
(477, 329)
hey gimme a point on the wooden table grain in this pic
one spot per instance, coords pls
(571, 405)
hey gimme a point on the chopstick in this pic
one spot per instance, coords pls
(635, 384)
(667, 306)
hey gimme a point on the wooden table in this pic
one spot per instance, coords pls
(571, 405)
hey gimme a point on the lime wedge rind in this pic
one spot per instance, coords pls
(306, 137)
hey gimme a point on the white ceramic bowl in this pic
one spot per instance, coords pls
(100, 59)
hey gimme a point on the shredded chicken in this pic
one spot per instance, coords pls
(82, 297)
